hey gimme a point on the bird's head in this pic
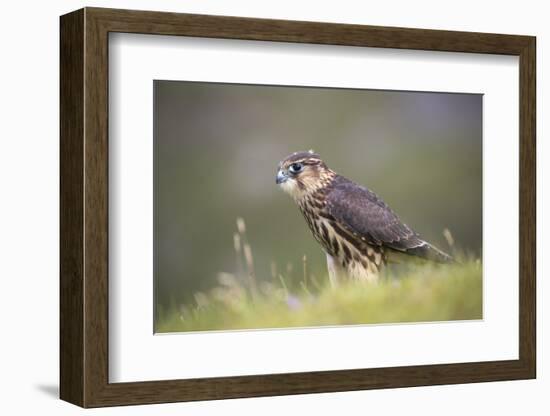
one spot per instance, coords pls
(301, 173)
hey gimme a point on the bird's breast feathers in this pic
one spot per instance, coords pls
(353, 254)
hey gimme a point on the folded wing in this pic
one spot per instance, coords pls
(363, 213)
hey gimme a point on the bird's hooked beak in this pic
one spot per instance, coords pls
(281, 177)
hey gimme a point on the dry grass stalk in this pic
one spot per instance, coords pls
(449, 237)
(238, 256)
(241, 226)
(249, 259)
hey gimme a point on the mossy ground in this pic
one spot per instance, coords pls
(419, 294)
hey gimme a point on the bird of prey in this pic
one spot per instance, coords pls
(357, 230)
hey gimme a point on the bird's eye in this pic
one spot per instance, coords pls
(296, 167)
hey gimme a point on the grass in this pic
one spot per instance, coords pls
(420, 293)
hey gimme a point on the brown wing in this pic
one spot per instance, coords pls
(362, 212)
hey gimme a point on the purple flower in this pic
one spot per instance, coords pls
(293, 302)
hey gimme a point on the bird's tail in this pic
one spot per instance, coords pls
(432, 253)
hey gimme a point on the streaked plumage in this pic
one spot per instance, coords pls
(355, 228)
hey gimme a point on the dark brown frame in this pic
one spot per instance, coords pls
(84, 213)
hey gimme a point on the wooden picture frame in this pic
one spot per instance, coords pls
(84, 207)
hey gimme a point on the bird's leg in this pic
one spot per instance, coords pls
(334, 271)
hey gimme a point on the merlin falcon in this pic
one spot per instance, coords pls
(357, 230)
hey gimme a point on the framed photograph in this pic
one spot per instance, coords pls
(255, 207)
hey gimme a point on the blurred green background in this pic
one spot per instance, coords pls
(216, 151)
